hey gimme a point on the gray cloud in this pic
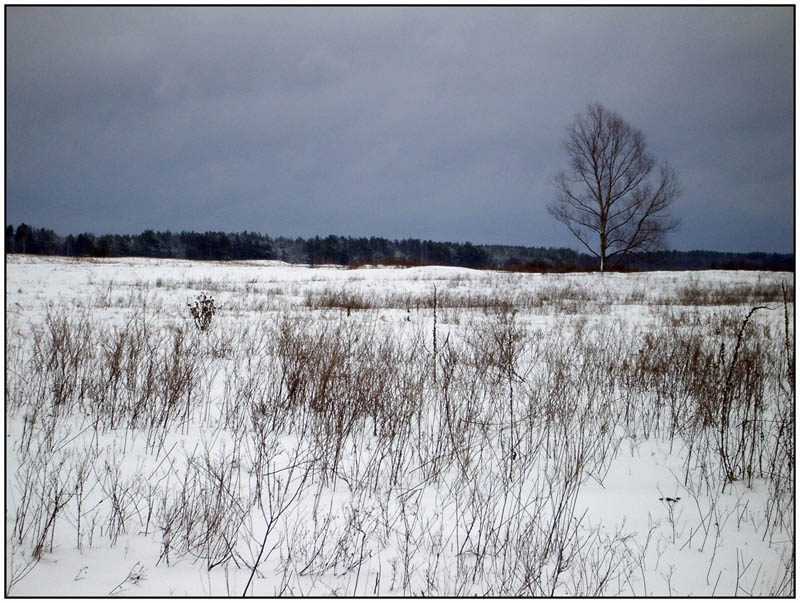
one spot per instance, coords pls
(440, 123)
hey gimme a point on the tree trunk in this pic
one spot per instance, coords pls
(603, 251)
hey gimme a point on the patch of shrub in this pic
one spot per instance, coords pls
(203, 310)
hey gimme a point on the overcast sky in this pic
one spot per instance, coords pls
(434, 123)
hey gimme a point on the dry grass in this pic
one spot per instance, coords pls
(501, 424)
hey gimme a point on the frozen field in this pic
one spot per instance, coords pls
(388, 432)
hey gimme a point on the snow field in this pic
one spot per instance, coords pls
(381, 431)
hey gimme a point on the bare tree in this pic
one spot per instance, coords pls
(607, 198)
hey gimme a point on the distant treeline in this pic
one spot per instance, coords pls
(354, 251)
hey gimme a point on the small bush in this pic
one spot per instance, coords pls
(203, 311)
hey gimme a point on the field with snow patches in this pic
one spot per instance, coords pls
(387, 432)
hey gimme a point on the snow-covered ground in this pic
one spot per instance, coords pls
(386, 431)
